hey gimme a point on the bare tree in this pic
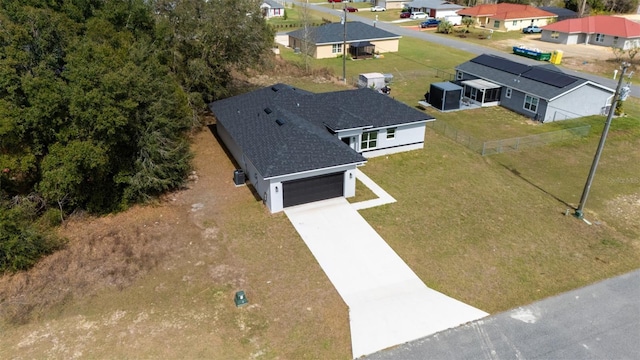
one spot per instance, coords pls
(308, 45)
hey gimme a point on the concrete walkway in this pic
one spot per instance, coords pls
(383, 196)
(388, 304)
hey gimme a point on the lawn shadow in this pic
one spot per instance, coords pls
(515, 172)
(214, 131)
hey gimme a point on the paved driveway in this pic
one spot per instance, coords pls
(388, 304)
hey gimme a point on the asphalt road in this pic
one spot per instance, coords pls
(462, 45)
(600, 321)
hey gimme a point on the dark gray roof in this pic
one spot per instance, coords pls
(333, 33)
(530, 79)
(562, 13)
(304, 142)
(447, 86)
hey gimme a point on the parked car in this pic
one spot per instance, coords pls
(405, 15)
(378, 8)
(335, 1)
(418, 15)
(532, 29)
(350, 9)
(430, 23)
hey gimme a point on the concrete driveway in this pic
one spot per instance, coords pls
(388, 304)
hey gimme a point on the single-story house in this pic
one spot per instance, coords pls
(602, 30)
(563, 14)
(391, 4)
(435, 8)
(542, 92)
(297, 147)
(326, 41)
(271, 8)
(507, 16)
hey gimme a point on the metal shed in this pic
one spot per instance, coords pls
(445, 96)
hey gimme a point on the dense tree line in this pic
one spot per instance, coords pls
(97, 98)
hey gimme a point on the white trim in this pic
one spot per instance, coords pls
(315, 170)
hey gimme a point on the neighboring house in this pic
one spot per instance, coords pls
(603, 30)
(297, 147)
(326, 41)
(271, 8)
(391, 4)
(507, 16)
(435, 8)
(541, 92)
(563, 14)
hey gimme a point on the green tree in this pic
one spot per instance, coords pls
(445, 27)
(206, 41)
(468, 21)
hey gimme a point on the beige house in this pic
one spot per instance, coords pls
(392, 4)
(326, 41)
(507, 16)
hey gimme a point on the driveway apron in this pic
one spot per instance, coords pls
(388, 303)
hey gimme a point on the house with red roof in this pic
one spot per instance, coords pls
(508, 17)
(603, 30)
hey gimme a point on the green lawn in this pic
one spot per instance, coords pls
(489, 231)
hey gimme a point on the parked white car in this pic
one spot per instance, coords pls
(418, 15)
(378, 8)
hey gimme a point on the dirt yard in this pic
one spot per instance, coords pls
(588, 58)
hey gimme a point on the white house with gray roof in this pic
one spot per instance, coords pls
(326, 41)
(271, 9)
(543, 92)
(435, 8)
(297, 147)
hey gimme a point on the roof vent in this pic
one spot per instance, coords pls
(274, 88)
(268, 110)
(280, 122)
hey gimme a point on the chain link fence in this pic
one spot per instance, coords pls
(513, 144)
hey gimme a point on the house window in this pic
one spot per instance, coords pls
(496, 24)
(391, 133)
(507, 93)
(531, 103)
(336, 48)
(459, 75)
(555, 34)
(369, 140)
(615, 41)
(600, 38)
(515, 22)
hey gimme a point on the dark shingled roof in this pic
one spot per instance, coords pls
(333, 33)
(284, 130)
(530, 80)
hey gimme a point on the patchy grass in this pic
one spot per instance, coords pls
(491, 231)
(159, 280)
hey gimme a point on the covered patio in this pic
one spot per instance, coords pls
(361, 50)
(481, 92)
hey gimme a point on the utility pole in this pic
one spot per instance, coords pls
(344, 44)
(585, 193)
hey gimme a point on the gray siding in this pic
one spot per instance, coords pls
(516, 104)
(583, 101)
(233, 148)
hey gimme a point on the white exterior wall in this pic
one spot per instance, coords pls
(411, 135)
(273, 186)
(583, 101)
(233, 148)
(445, 13)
